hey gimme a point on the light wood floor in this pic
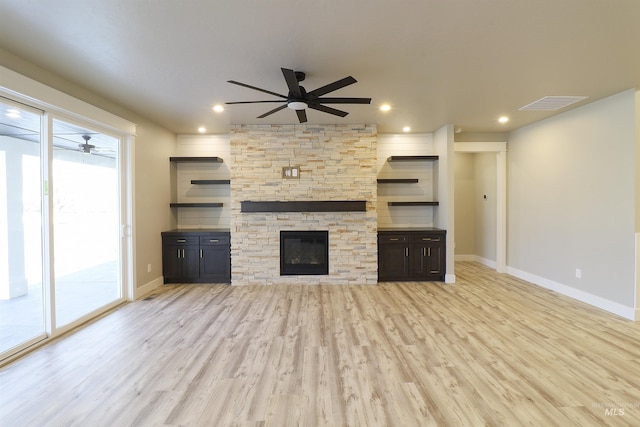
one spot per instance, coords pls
(489, 350)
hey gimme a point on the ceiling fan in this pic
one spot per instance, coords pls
(86, 147)
(92, 149)
(299, 99)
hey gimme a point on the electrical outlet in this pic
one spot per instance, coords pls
(148, 268)
(578, 273)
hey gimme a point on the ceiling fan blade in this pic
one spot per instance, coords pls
(341, 101)
(256, 88)
(339, 84)
(268, 113)
(292, 82)
(302, 116)
(329, 110)
(253, 102)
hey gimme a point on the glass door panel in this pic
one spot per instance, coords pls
(86, 221)
(21, 279)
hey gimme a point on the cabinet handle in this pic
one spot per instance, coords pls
(183, 253)
(424, 252)
(200, 253)
(428, 251)
(178, 253)
(427, 239)
(394, 239)
(213, 240)
(406, 251)
(181, 240)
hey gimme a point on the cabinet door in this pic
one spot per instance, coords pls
(171, 262)
(180, 263)
(190, 263)
(393, 256)
(435, 259)
(419, 265)
(425, 260)
(215, 263)
(427, 256)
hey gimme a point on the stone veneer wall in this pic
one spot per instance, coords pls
(337, 162)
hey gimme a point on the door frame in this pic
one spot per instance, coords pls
(500, 150)
(54, 103)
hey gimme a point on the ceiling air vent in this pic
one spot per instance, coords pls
(552, 103)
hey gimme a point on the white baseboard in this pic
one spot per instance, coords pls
(594, 300)
(147, 288)
(449, 278)
(484, 261)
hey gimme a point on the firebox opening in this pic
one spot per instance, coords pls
(304, 253)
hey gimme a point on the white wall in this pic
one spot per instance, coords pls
(153, 147)
(571, 198)
(424, 189)
(200, 146)
(444, 218)
(485, 196)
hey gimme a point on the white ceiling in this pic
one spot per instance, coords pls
(464, 62)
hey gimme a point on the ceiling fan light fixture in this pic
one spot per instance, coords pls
(297, 105)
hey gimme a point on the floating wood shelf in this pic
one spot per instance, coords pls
(195, 205)
(305, 206)
(411, 158)
(397, 180)
(413, 203)
(196, 159)
(210, 181)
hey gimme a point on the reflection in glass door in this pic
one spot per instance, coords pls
(21, 279)
(86, 221)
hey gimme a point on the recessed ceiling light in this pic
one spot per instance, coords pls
(385, 107)
(503, 119)
(202, 129)
(218, 108)
(406, 129)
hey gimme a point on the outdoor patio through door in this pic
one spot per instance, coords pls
(61, 247)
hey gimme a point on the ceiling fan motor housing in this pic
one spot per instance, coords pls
(298, 103)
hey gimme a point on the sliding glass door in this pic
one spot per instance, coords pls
(86, 221)
(61, 245)
(22, 315)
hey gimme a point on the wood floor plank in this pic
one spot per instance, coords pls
(489, 350)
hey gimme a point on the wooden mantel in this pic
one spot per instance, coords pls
(304, 206)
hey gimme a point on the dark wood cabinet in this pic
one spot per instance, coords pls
(215, 258)
(411, 255)
(198, 256)
(393, 256)
(427, 255)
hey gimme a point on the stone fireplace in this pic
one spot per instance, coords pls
(335, 163)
